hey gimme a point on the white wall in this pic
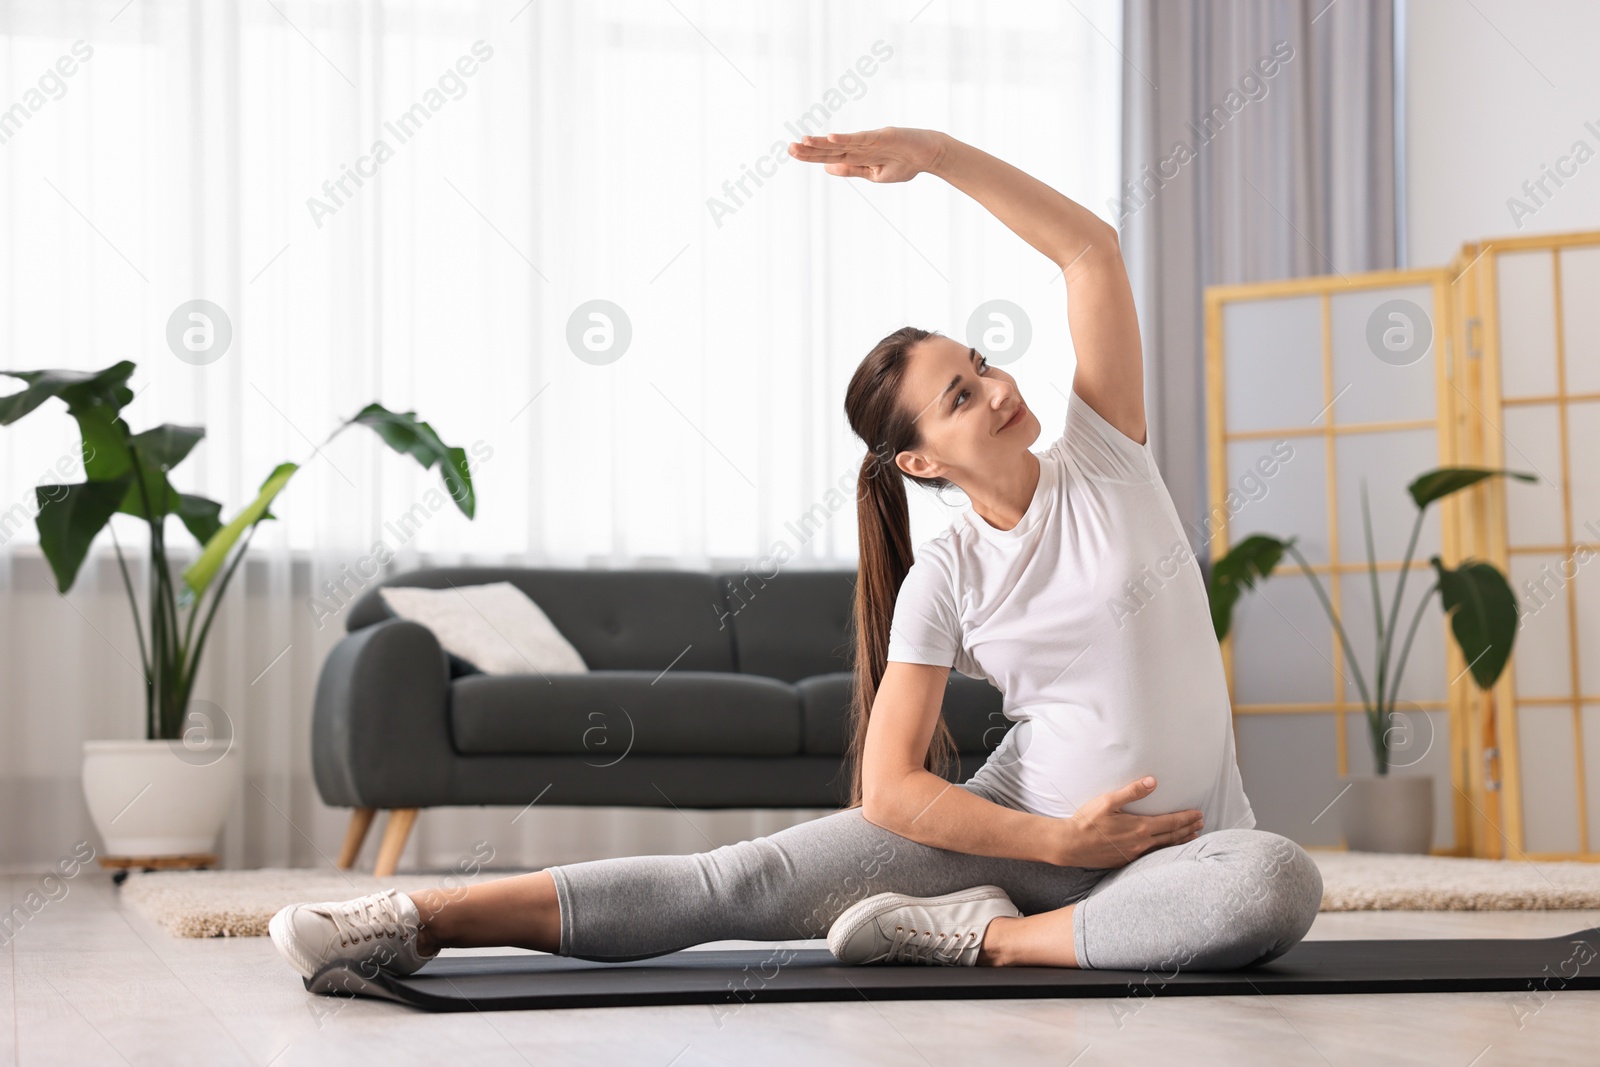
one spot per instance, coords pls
(1498, 90)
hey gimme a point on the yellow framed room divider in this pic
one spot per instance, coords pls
(1531, 312)
(1320, 386)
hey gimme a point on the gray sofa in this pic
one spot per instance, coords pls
(725, 690)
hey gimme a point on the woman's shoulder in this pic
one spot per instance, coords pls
(948, 563)
(945, 551)
(1091, 446)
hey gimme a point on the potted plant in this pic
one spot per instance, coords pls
(1383, 812)
(168, 795)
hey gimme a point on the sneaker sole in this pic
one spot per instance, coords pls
(857, 915)
(283, 940)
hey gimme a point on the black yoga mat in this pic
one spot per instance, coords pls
(1536, 966)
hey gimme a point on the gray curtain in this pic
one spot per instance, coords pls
(1258, 143)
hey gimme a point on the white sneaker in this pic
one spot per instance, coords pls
(374, 932)
(895, 928)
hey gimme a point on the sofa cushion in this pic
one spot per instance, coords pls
(645, 620)
(456, 665)
(608, 715)
(792, 625)
(494, 627)
(972, 710)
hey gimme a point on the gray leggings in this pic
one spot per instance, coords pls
(1227, 899)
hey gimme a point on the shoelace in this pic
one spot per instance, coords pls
(926, 946)
(360, 919)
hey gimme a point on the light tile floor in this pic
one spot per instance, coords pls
(87, 982)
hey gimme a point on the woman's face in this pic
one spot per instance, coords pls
(972, 416)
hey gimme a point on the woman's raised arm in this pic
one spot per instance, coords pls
(1100, 310)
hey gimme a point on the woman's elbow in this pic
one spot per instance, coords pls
(1104, 247)
(875, 810)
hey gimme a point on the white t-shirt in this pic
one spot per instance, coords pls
(1091, 618)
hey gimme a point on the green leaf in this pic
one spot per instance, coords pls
(70, 516)
(403, 432)
(1483, 616)
(159, 450)
(167, 445)
(108, 386)
(1246, 563)
(201, 516)
(1443, 481)
(199, 574)
(164, 499)
(105, 442)
(77, 388)
(458, 480)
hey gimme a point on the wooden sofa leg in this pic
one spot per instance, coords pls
(354, 835)
(395, 832)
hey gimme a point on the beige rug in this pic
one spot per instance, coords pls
(239, 903)
(1379, 881)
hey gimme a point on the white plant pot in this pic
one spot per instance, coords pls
(154, 798)
(1389, 813)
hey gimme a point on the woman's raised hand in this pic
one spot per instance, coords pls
(892, 154)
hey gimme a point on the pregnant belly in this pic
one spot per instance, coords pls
(1055, 763)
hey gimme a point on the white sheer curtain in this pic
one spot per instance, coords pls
(534, 157)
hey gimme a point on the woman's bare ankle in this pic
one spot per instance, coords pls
(1044, 939)
(432, 928)
(991, 952)
(520, 911)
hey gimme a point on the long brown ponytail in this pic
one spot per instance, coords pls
(883, 518)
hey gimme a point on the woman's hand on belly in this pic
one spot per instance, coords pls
(1100, 834)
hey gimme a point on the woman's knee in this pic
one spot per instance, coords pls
(1279, 892)
(1245, 896)
(795, 882)
(1296, 882)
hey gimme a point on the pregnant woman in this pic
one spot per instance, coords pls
(1108, 829)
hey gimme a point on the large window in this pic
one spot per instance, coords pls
(421, 203)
